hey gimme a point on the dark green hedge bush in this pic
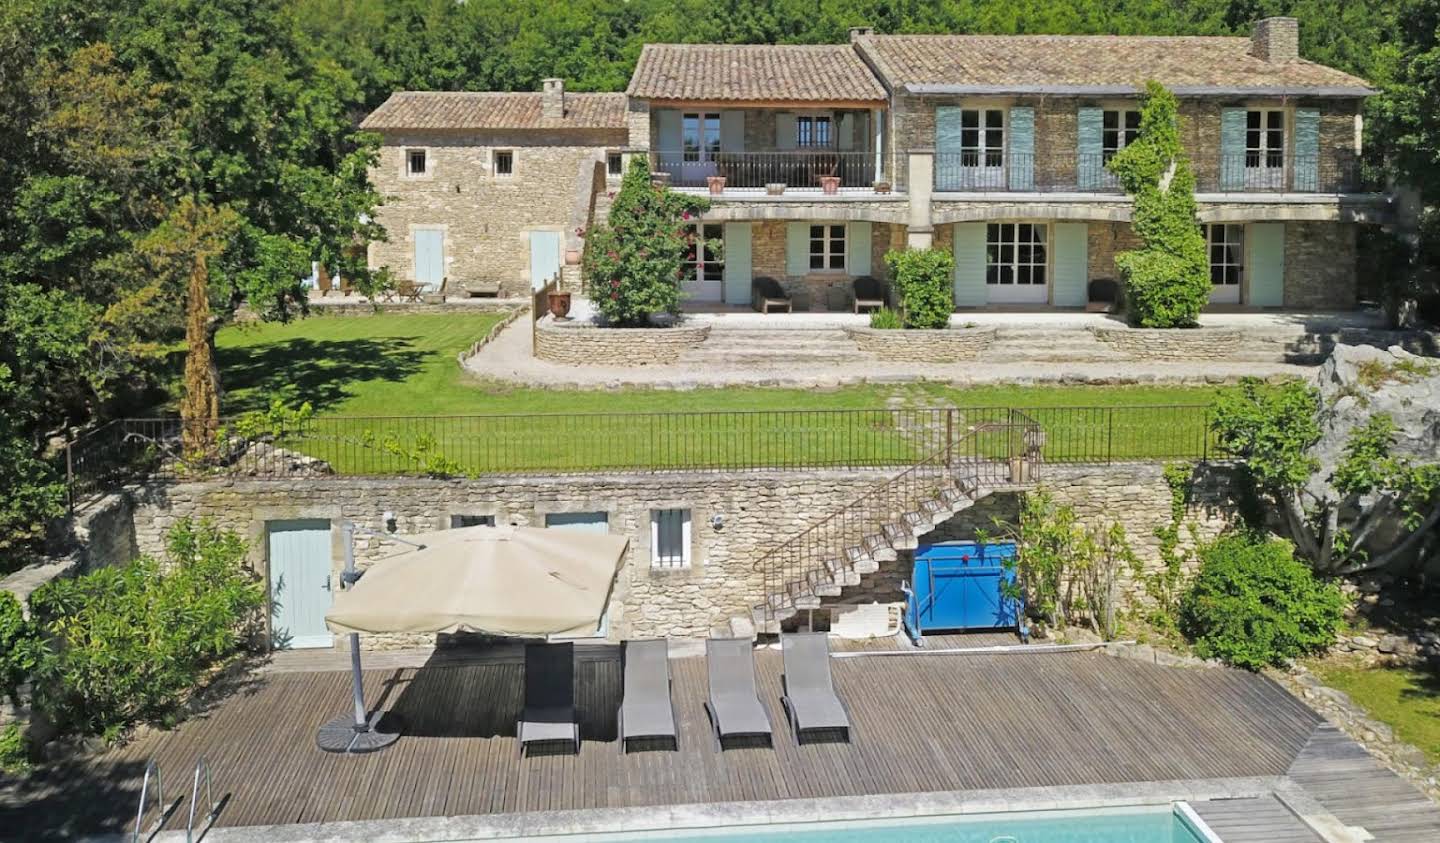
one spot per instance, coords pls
(922, 279)
(1254, 604)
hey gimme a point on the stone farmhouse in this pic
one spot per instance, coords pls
(819, 159)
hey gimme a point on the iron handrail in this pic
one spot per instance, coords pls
(150, 767)
(201, 765)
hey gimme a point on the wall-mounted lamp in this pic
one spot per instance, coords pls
(717, 521)
(387, 520)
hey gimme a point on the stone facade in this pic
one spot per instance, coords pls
(924, 346)
(1320, 270)
(582, 344)
(486, 218)
(1171, 344)
(817, 290)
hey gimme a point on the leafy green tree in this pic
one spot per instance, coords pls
(922, 281)
(635, 261)
(1167, 281)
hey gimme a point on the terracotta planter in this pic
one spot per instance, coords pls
(830, 185)
(660, 179)
(882, 187)
(716, 184)
(572, 257)
(559, 304)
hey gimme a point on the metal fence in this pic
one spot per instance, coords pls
(131, 449)
(798, 170)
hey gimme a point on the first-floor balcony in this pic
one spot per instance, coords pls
(824, 171)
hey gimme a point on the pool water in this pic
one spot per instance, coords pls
(1131, 825)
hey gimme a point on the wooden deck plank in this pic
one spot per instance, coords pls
(1260, 820)
(1353, 786)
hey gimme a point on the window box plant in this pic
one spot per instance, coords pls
(716, 184)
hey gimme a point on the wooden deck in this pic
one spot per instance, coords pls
(1262, 819)
(922, 723)
(1359, 792)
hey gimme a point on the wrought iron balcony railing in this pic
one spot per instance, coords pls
(806, 169)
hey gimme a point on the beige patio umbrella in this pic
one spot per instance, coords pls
(501, 580)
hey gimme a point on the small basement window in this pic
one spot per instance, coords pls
(669, 538)
(614, 164)
(457, 521)
(504, 162)
(417, 162)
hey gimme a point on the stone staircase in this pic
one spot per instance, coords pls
(835, 553)
(1049, 346)
(790, 349)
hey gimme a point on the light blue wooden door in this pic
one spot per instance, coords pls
(588, 522)
(299, 583)
(544, 257)
(1266, 242)
(737, 262)
(1069, 285)
(429, 257)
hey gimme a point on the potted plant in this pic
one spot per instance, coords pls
(716, 184)
(882, 186)
(559, 301)
(830, 185)
(774, 188)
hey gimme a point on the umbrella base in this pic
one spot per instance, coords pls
(342, 735)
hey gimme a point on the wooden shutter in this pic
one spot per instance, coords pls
(947, 148)
(1307, 150)
(1020, 149)
(1265, 253)
(845, 131)
(1090, 165)
(784, 130)
(1072, 264)
(1232, 148)
(797, 248)
(732, 131)
(970, 265)
(737, 262)
(857, 248)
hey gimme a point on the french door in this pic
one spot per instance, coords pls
(1265, 149)
(1017, 262)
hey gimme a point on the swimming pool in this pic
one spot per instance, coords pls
(1157, 824)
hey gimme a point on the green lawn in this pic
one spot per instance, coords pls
(1406, 699)
(404, 365)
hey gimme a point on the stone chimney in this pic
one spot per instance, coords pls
(858, 32)
(1276, 40)
(552, 100)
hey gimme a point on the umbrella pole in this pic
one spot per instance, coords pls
(361, 722)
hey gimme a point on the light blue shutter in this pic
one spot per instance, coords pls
(732, 131)
(1232, 148)
(737, 263)
(1266, 243)
(947, 148)
(1072, 264)
(970, 265)
(668, 125)
(1090, 165)
(785, 130)
(797, 248)
(857, 248)
(1021, 151)
(1307, 150)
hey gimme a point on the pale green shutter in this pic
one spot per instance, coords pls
(785, 130)
(670, 155)
(1266, 248)
(1232, 148)
(970, 265)
(797, 248)
(947, 148)
(1021, 151)
(732, 131)
(1307, 150)
(845, 131)
(857, 248)
(737, 263)
(1072, 264)
(1090, 165)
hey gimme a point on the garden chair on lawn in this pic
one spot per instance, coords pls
(645, 709)
(734, 706)
(549, 714)
(809, 697)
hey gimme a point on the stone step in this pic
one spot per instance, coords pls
(776, 356)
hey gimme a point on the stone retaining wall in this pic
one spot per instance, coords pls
(582, 344)
(1183, 345)
(490, 335)
(924, 346)
(361, 308)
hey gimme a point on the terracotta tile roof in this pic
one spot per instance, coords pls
(467, 110)
(1021, 63)
(753, 73)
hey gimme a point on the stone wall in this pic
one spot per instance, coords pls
(486, 218)
(817, 290)
(583, 344)
(1171, 344)
(924, 346)
(1320, 265)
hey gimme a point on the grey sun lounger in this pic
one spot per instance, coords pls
(809, 697)
(549, 714)
(645, 710)
(734, 706)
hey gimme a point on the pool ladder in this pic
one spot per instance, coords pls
(164, 812)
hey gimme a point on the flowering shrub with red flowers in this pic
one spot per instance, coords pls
(634, 263)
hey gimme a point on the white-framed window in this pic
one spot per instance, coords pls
(669, 538)
(504, 163)
(982, 137)
(827, 248)
(1226, 245)
(614, 165)
(814, 130)
(702, 260)
(700, 135)
(417, 163)
(1265, 137)
(1118, 129)
(458, 521)
(1016, 254)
